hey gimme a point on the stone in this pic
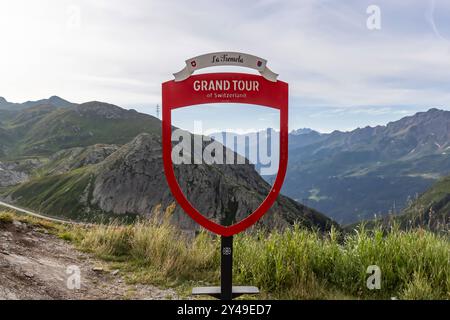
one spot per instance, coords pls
(17, 224)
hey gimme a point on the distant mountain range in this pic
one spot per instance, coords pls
(351, 176)
(300, 131)
(242, 143)
(46, 148)
(53, 100)
(95, 160)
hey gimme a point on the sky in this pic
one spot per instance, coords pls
(341, 73)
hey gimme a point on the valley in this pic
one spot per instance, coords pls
(368, 172)
(96, 161)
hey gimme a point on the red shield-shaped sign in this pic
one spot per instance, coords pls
(224, 88)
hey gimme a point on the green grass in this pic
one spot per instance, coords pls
(291, 264)
(10, 216)
(58, 194)
(6, 217)
(65, 128)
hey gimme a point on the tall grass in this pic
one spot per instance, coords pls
(294, 263)
(286, 260)
(156, 252)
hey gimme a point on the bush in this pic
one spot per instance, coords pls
(6, 217)
(108, 241)
(157, 251)
(419, 289)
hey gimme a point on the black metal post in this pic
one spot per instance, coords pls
(226, 291)
(226, 268)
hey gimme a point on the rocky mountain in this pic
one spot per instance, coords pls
(130, 181)
(243, 143)
(301, 131)
(11, 175)
(353, 175)
(297, 138)
(303, 137)
(70, 159)
(97, 161)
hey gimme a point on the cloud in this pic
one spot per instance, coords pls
(122, 50)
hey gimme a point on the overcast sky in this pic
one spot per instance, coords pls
(341, 74)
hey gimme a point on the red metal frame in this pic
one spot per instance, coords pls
(181, 94)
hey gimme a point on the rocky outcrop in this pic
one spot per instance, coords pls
(9, 176)
(15, 172)
(73, 158)
(105, 111)
(132, 181)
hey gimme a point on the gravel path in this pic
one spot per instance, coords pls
(37, 265)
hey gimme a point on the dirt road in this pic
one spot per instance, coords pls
(34, 214)
(38, 265)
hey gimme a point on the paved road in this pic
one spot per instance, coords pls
(34, 214)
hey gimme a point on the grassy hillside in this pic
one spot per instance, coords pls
(64, 195)
(45, 129)
(293, 264)
(74, 158)
(431, 209)
(60, 193)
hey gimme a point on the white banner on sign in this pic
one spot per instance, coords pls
(226, 59)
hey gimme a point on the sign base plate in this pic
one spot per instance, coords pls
(215, 291)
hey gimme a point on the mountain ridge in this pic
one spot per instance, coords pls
(44, 129)
(53, 100)
(348, 175)
(99, 160)
(372, 170)
(129, 181)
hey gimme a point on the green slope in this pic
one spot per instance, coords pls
(57, 194)
(431, 209)
(43, 130)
